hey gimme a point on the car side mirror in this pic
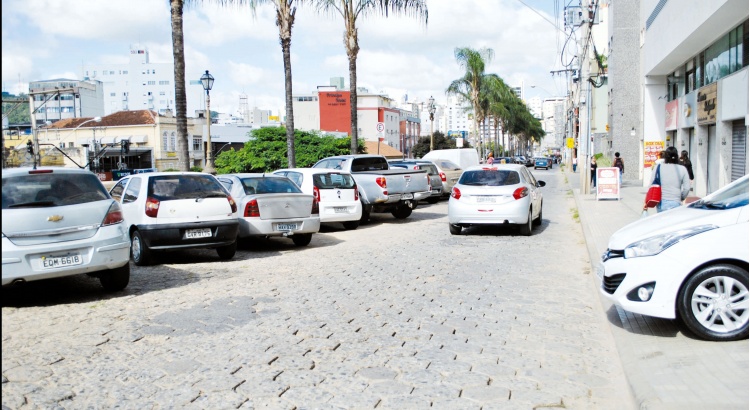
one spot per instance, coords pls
(540, 183)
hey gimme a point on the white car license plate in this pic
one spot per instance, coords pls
(407, 196)
(286, 227)
(198, 233)
(485, 199)
(60, 261)
(340, 209)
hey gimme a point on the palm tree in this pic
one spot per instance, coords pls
(498, 96)
(470, 85)
(178, 51)
(351, 10)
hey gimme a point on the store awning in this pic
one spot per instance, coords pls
(139, 139)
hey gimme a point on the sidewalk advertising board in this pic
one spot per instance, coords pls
(607, 183)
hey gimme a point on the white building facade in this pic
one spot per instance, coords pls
(61, 98)
(136, 85)
(695, 86)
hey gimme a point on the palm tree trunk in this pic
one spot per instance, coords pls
(353, 100)
(178, 51)
(286, 43)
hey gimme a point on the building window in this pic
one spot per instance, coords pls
(725, 56)
(152, 83)
(173, 142)
(164, 142)
(162, 93)
(112, 94)
(197, 144)
(125, 72)
(163, 82)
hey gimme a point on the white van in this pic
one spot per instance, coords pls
(464, 157)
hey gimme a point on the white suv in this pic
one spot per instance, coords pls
(177, 210)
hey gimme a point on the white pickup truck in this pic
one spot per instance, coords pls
(380, 188)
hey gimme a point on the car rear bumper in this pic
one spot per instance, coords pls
(109, 248)
(172, 236)
(515, 212)
(340, 211)
(269, 227)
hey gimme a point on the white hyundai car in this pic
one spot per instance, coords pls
(335, 191)
(689, 262)
(497, 194)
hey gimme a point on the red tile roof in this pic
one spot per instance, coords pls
(120, 118)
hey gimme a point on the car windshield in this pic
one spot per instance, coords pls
(51, 189)
(180, 186)
(333, 180)
(733, 197)
(490, 177)
(269, 185)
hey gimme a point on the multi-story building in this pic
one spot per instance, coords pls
(138, 84)
(61, 98)
(553, 122)
(695, 86)
(459, 119)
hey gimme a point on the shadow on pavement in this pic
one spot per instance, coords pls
(84, 289)
(644, 325)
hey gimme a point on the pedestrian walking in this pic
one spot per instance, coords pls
(661, 158)
(490, 158)
(575, 163)
(675, 181)
(593, 171)
(619, 163)
(685, 162)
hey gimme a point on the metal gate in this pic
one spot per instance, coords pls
(739, 149)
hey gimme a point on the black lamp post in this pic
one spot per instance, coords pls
(207, 80)
(431, 110)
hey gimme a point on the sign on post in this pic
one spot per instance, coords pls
(380, 127)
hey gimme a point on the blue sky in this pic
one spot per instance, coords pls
(44, 39)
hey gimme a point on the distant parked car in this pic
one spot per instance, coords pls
(449, 174)
(335, 191)
(689, 262)
(61, 222)
(496, 195)
(542, 162)
(176, 210)
(436, 182)
(272, 205)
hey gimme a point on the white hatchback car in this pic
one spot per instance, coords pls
(335, 190)
(61, 222)
(177, 210)
(272, 205)
(496, 194)
(689, 262)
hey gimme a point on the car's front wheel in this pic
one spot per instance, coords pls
(227, 252)
(115, 279)
(713, 303)
(139, 250)
(302, 239)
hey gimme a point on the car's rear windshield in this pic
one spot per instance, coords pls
(490, 177)
(269, 185)
(180, 186)
(333, 180)
(51, 189)
(369, 164)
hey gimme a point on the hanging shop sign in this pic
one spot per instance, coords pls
(672, 110)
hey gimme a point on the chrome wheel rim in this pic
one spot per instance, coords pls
(720, 304)
(136, 248)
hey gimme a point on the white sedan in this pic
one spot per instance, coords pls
(272, 205)
(496, 195)
(689, 262)
(335, 191)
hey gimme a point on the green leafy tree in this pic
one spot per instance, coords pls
(440, 141)
(18, 113)
(266, 151)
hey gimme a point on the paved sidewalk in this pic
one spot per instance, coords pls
(666, 367)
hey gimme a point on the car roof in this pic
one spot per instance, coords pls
(510, 167)
(26, 170)
(314, 170)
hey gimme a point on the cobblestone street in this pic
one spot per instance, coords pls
(396, 314)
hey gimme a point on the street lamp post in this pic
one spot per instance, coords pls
(431, 110)
(208, 82)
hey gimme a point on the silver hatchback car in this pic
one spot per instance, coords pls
(61, 222)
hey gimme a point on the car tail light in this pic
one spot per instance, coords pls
(41, 171)
(456, 193)
(442, 176)
(315, 207)
(416, 167)
(252, 210)
(152, 207)
(356, 193)
(114, 215)
(232, 203)
(520, 192)
(316, 193)
(381, 182)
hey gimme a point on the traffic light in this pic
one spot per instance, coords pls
(30, 147)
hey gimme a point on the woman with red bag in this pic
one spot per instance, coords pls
(675, 181)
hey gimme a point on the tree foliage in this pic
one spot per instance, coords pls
(441, 142)
(19, 112)
(266, 151)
